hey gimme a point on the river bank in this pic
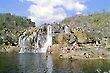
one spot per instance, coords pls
(63, 51)
(10, 49)
(88, 52)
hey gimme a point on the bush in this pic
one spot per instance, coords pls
(1, 41)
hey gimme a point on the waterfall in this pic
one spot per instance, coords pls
(49, 64)
(25, 42)
(37, 48)
(21, 43)
(66, 29)
(37, 43)
(48, 39)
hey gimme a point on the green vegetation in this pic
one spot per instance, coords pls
(97, 25)
(11, 27)
(1, 40)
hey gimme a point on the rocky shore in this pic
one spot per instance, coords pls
(10, 49)
(64, 51)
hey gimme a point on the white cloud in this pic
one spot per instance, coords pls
(78, 13)
(48, 11)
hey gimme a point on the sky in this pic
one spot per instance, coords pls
(48, 11)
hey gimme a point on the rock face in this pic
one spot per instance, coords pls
(28, 40)
(62, 38)
(11, 27)
(81, 36)
(73, 29)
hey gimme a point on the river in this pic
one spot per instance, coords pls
(40, 63)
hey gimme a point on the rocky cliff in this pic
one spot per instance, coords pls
(11, 27)
(82, 29)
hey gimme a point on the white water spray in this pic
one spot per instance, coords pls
(24, 42)
(67, 30)
(48, 39)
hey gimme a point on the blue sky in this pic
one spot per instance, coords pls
(14, 6)
(29, 8)
(97, 5)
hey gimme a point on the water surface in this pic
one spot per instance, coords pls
(39, 63)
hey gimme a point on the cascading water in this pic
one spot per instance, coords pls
(22, 43)
(25, 42)
(67, 29)
(48, 39)
(37, 43)
(37, 48)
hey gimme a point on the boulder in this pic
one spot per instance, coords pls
(62, 38)
(81, 36)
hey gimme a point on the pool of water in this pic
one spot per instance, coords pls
(39, 63)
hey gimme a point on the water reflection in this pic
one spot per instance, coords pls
(49, 64)
(22, 63)
(32, 63)
(40, 63)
